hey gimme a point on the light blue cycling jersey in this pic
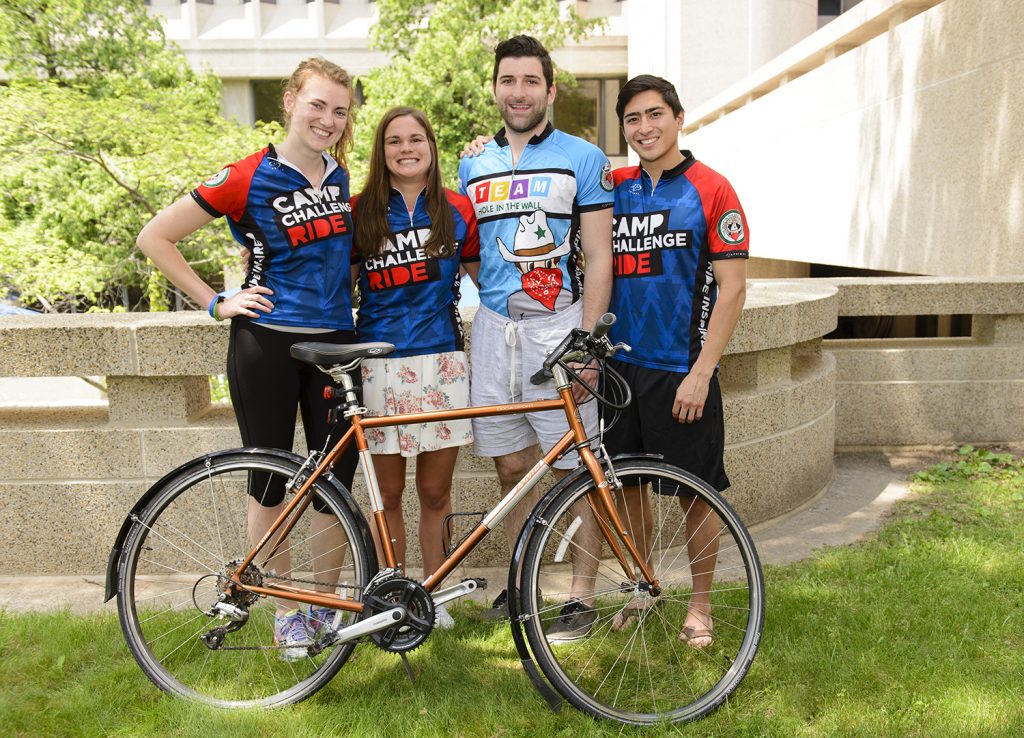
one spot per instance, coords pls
(528, 216)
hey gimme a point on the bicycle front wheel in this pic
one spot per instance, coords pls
(174, 569)
(621, 652)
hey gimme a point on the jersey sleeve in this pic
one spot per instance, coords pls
(465, 164)
(354, 257)
(227, 191)
(728, 235)
(593, 179)
(464, 211)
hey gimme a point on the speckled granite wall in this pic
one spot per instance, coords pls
(898, 392)
(70, 475)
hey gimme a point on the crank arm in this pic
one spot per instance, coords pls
(459, 590)
(372, 624)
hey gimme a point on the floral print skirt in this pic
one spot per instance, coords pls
(417, 384)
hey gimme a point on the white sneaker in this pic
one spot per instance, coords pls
(442, 618)
(290, 630)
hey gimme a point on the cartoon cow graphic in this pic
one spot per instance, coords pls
(536, 257)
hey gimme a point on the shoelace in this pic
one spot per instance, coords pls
(570, 609)
(295, 629)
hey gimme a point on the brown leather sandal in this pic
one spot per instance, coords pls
(689, 634)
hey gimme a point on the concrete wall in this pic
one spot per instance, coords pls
(703, 47)
(68, 476)
(887, 140)
(897, 392)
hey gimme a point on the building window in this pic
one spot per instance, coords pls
(835, 7)
(266, 99)
(588, 111)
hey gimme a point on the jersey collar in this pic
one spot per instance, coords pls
(396, 202)
(502, 140)
(331, 163)
(687, 162)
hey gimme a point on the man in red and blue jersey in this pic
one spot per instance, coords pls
(680, 244)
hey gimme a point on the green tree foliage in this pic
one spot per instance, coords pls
(80, 41)
(441, 55)
(101, 126)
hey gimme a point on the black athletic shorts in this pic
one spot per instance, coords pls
(647, 425)
(267, 385)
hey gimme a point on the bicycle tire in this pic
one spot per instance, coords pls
(173, 562)
(643, 673)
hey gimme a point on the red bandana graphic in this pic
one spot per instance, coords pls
(543, 285)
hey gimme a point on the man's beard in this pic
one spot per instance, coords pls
(530, 125)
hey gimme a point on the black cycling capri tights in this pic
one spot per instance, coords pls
(266, 385)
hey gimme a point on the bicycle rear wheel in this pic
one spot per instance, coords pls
(636, 670)
(174, 568)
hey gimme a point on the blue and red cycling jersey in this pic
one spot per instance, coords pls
(406, 297)
(300, 236)
(664, 241)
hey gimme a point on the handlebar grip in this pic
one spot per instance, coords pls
(541, 376)
(602, 326)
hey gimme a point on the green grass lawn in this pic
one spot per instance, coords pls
(916, 632)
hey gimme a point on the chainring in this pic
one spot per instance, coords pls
(418, 603)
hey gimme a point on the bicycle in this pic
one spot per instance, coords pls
(196, 597)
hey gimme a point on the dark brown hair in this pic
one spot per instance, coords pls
(643, 83)
(319, 66)
(372, 231)
(524, 46)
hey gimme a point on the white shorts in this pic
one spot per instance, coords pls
(416, 384)
(505, 354)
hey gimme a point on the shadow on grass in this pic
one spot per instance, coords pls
(915, 632)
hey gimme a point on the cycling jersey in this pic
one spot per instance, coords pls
(664, 242)
(529, 219)
(300, 236)
(406, 297)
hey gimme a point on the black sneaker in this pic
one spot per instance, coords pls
(574, 622)
(499, 608)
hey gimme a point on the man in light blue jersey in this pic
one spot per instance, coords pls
(543, 202)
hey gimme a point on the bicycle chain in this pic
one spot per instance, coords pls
(313, 582)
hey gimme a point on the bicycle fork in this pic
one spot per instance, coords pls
(601, 500)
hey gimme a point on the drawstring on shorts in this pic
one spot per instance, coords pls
(510, 340)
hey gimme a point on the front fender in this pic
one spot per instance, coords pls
(115, 552)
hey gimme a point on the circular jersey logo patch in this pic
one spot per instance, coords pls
(730, 227)
(218, 179)
(607, 184)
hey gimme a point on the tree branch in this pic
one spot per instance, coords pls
(106, 165)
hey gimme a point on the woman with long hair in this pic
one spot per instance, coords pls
(412, 236)
(288, 205)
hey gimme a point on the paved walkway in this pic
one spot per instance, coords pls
(856, 503)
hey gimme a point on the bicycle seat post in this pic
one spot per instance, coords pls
(340, 376)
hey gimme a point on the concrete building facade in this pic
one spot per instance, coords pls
(702, 46)
(873, 136)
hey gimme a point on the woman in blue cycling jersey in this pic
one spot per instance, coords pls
(412, 236)
(288, 205)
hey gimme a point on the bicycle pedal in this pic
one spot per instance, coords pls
(481, 582)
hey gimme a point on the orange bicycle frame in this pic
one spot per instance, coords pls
(601, 501)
